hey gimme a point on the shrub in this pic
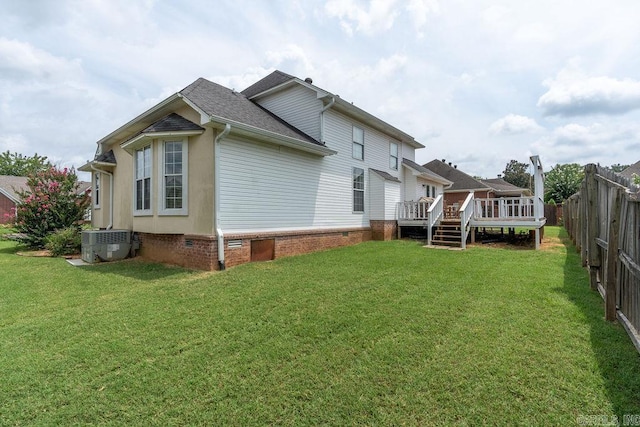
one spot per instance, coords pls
(51, 203)
(64, 242)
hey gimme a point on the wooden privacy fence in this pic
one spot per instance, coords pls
(603, 219)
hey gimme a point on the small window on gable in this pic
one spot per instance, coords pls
(358, 143)
(393, 156)
(142, 190)
(358, 190)
(96, 190)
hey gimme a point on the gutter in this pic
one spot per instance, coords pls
(216, 193)
(110, 226)
(325, 108)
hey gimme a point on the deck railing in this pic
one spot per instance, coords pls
(466, 212)
(504, 208)
(415, 211)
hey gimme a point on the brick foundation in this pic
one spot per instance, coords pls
(201, 251)
(384, 230)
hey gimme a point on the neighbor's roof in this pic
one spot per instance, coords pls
(426, 172)
(278, 79)
(9, 185)
(461, 181)
(503, 187)
(633, 169)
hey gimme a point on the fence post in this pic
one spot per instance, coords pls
(593, 250)
(612, 256)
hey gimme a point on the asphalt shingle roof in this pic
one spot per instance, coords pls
(11, 184)
(107, 157)
(502, 186)
(461, 181)
(423, 170)
(172, 122)
(633, 169)
(272, 80)
(385, 175)
(219, 101)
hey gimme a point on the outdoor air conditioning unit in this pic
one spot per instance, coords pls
(105, 245)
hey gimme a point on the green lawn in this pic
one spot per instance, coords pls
(383, 333)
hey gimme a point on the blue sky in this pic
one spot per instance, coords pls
(479, 83)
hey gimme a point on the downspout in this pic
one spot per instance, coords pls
(110, 226)
(325, 108)
(216, 193)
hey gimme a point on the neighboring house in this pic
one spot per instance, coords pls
(502, 188)
(634, 169)
(462, 183)
(10, 186)
(211, 177)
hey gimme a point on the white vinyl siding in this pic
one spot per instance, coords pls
(384, 196)
(173, 160)
(142, 181)
(269, 188)
(298, 106)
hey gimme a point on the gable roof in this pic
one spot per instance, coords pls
(504, 188)
(633, 169)
(278, 80)
(172, 122)
(229, 105)
(461, 181)
(426, 173)
(9, 185)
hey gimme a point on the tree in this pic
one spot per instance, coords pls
(516, 173)
(50, 203)
(18, 165)
(562, 181)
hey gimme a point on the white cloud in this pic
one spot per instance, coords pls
(20, 61)
(571, 93)
(514, 124)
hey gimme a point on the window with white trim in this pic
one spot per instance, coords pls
(173, 194)
(393, 156)
(358, 190)
(358, 143)
(96, 190)
(142, 191)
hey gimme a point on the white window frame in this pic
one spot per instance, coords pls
(97, 184)
(162, 209)
(357, 138)
(393, 158)
(136, 211)
(354, 172)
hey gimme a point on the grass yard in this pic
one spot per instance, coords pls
(383, 333)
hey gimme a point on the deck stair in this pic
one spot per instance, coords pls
(448, 233)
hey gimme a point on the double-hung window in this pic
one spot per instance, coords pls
(173, 199)
(393, 156)
(142, 196)
(358, 143)
(358, 190)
